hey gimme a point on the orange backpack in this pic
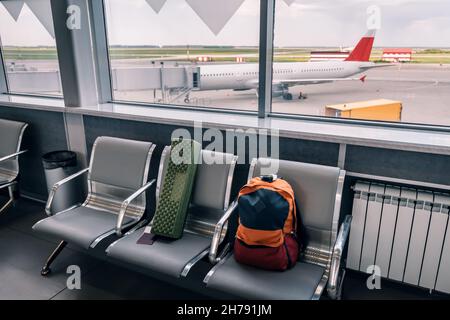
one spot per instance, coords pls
(267, 232)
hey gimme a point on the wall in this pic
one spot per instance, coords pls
(290, 149)
(46, 132)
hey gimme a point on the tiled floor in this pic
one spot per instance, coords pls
(22, 253)
(355, 288)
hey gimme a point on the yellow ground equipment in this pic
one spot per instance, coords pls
(380, 109)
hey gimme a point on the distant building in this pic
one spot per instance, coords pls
(397, 55)
(329, 55)
(204, 59)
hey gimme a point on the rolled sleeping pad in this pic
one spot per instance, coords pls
(173, 205)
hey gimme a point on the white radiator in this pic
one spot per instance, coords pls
(403, 231)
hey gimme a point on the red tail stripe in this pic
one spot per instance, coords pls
(362, 50)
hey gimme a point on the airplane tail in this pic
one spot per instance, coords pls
(363, 48)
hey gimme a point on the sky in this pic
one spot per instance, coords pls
(333, 23)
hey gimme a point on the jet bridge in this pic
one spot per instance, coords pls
(170, 81)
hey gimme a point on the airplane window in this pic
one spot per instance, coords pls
(29, 48)
(208, 36)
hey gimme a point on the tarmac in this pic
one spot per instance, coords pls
(423, 89)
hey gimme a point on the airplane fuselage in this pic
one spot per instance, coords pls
(246, 76)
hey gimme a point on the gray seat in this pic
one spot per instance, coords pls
(11, 133)
(164, 256)
(210, 200)
(318, 192)
(247, 282)
(117, 181)
(4, 179)
(81, 225)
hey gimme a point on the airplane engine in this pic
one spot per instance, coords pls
(281, 91)
(277, 91)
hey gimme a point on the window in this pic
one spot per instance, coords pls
(158, 48)
(28, 47)
(407, 78)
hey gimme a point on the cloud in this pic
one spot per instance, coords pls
(338, 22)
(303, 23)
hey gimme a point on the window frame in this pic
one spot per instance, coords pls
(100, 50)
(4, 82)
(96, 16)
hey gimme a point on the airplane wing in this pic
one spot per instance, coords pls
(296, 82)
(378, 65)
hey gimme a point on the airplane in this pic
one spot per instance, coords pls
(240, 77)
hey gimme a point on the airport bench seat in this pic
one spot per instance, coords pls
(299, 283)
(164, 256)
(4, 178)
(318, 191)
(81, 225)
(11, 134)
(209, 202)
(116, 200)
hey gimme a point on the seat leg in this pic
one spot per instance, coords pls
(6, 205)
(46, 268)
(11, 198)
(14, 191)
(341, 285)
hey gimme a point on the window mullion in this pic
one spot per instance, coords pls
(74, 47)
(267, 18)
(101, 53)
(3, 79)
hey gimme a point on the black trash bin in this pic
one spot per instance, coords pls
(57, 166)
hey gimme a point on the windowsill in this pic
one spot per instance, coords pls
(356, 134)
(32, 102)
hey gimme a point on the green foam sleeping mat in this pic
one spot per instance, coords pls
(171, 212)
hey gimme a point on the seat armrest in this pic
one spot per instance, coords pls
(334, 282)
(137, 227)
(127, 202)
(213, 250)
(12, 155)
(56, 186)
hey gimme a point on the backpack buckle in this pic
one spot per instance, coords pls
(269, 178)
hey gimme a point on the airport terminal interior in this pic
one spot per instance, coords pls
(214, 150)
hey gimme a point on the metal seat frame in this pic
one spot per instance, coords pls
(200, 221)
(11, 176)
(106, 198)
(330, 259)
